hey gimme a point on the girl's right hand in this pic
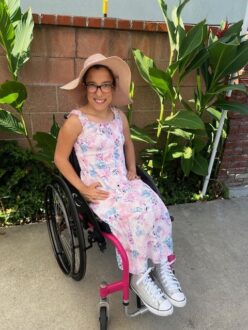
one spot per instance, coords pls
(92, 194)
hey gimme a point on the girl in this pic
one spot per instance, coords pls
(100, 134)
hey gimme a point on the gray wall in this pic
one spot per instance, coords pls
(195, 10)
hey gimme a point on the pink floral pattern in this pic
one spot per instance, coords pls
(134, 212)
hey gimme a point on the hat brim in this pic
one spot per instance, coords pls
(121, 73)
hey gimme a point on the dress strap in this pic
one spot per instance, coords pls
(80, 116)
(117, 117)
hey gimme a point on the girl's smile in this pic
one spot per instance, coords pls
(99, 88)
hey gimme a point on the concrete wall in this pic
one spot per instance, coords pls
(213, 10)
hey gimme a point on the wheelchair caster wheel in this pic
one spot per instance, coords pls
(103, 318)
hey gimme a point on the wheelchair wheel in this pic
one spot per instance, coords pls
(103, 318)
(65, 230)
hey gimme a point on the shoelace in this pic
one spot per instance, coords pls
(150, 286)
(168, 276)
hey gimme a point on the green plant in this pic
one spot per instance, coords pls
(23, 180)
(184, 137)
(46, 143)
(16, 34)
(137, 134)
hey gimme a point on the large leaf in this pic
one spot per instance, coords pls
(7, 33)
(14, 11)
(221, 89)
(23, 38)
(196, 62)
(138, 134)
(170, 25)
(199, 142)
(238, 62)
(220, 56)
(10, 123)
(200, 165)
(14, 87)
(46, 143)
(144, 64)
(193, 40)
(232, 106)
(184, 119)
(162, 82)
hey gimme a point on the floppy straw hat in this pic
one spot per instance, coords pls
(121, 72)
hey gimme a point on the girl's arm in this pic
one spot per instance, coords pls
(128, 149)
(66, 139)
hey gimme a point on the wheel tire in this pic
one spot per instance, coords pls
(65, 230)
(103, 318)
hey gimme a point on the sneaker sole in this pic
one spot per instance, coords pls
(153, 310)
(175, 302)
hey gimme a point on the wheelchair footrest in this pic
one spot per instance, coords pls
(139, 311)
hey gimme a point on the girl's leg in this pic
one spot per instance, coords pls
(169, 284)
(152, 297)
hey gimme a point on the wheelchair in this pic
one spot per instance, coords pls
(69, 217)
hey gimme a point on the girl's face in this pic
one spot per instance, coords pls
(99, 98)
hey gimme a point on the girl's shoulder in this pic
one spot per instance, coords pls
(76, 113)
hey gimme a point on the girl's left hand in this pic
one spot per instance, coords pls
(131, 175)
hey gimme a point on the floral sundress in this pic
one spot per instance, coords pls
(133, 211)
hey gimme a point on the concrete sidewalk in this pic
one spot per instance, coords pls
(212, 266)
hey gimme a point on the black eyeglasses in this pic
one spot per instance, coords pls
(105, 88)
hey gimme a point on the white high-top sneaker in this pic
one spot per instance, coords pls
(169, 284)
(152, 297)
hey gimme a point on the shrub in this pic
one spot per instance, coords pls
(23, 180)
